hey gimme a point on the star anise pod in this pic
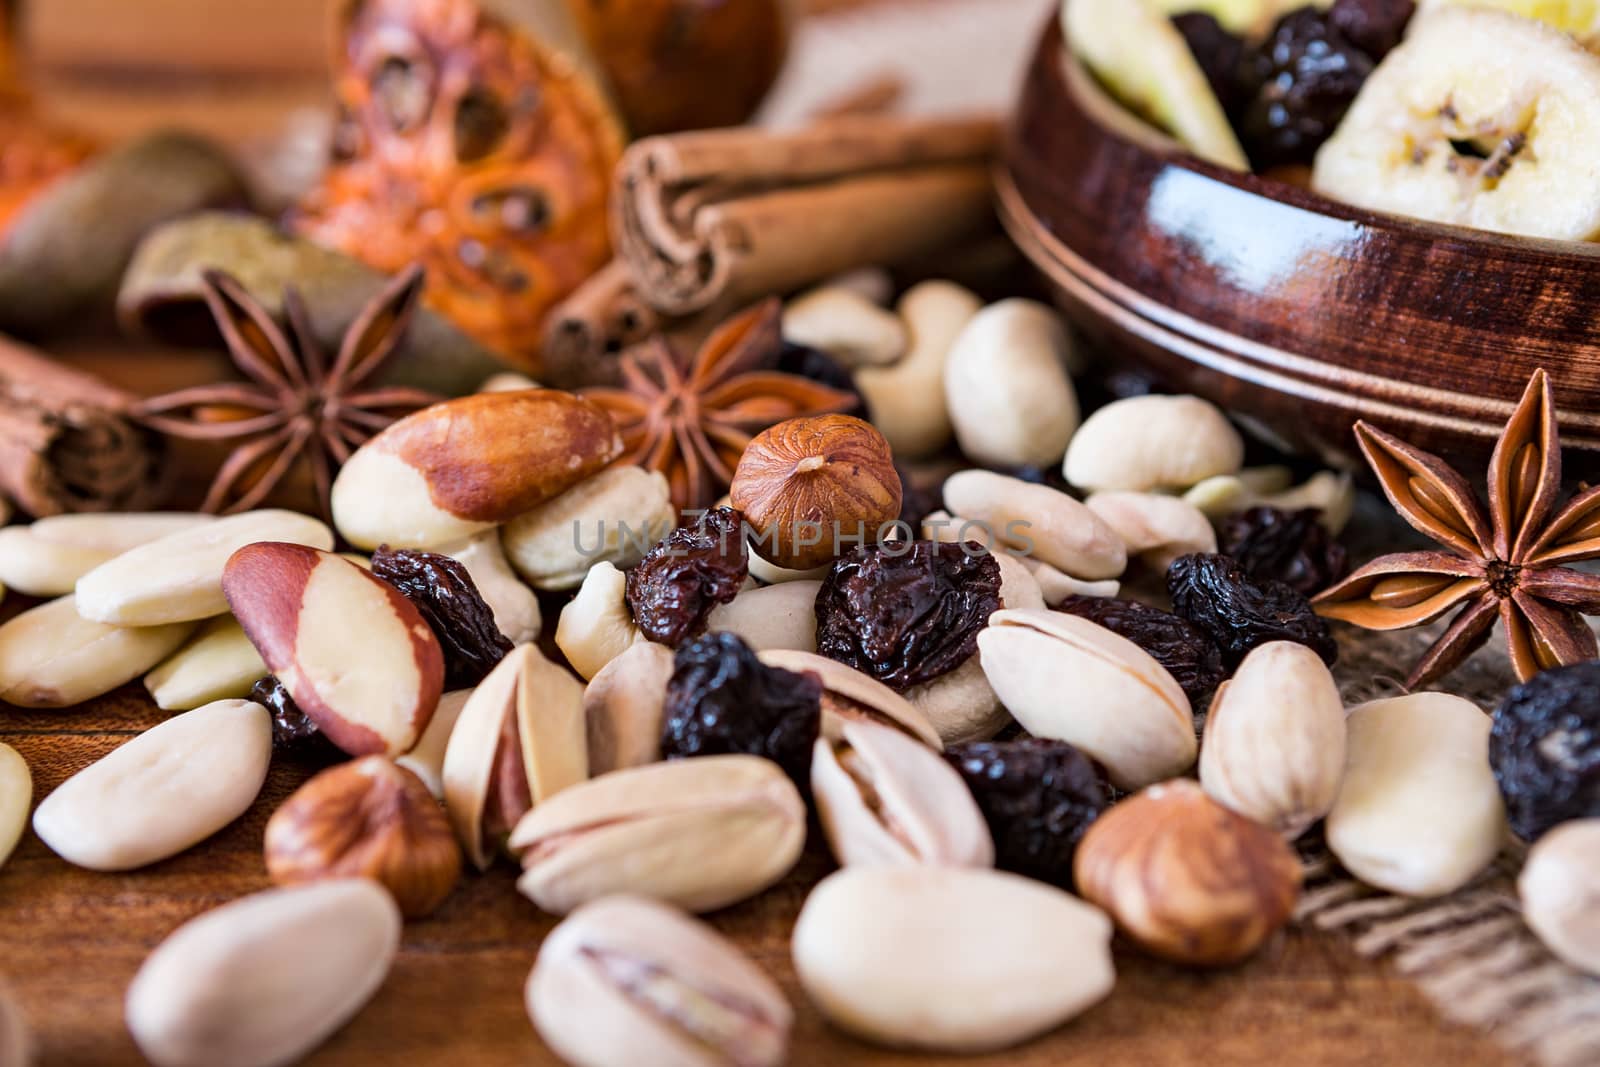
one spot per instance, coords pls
(1507, 563)
(692, 419)
(297, 407)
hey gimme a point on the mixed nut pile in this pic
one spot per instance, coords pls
(998, 745)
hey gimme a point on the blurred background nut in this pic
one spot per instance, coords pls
(1155, 527)
(1274, 746)
(1066, 678)
(626, 981)
(1560, 890)
(1419, 812)
(907, 398)
(1011, 402)
(623, 708)
(884, 798)
(366, 819)
(16, 796)
(615, 516)
(1152, 442)
(1038, 521)
(949, 959)
(1186, 878)
(846, 325)
(805, 484)
(771, 617)
(596, 626)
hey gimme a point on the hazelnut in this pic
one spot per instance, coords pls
(372, 819)
(1186, 878)
(806, 485)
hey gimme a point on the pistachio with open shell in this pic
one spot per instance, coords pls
(848, 695)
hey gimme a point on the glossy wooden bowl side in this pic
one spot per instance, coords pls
(1297, 312)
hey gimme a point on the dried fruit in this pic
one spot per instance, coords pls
(1184, 649)
(1374, 26)
(1240, 612)
(445, 594)
(1038, 797)
(813, 363)
(722, 699)
(1292, 547)
(1308, 73)
(917, 502)
(292, 729)
(906, 613)
(1545, 749)
(1219, 54)
(691, 571)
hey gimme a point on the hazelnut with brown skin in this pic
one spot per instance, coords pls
(1185, 878)
(369, 818)
(807, 485)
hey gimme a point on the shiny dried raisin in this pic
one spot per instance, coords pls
(1218, 52)
(1185, 650)
(1292, 547)
(906, 612)
(292, 729)
(1239, 612)
(722, 699)
(1301, 81)
(1374, 26)
(1038, 797)
(1545, 749)
(442, 590)
(691, 571)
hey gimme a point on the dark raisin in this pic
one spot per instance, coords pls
(1038, 798)
(1185, 650)
(722, 699)
(442, 590)
(917, 501)
(1374, 26)
(1545, 749)
(906, 612)
(1306, 74)
(813, 363)
(1218, 52)
(292, 729)
(1292, 547)
(1240, 612)
(691, 571)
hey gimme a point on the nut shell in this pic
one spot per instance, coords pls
(806, 483)
(366, 819)
(1186, 878)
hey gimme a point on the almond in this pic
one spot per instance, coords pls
(356, 656)
(217, 663)
(52, 657)
(463, 466)
(46, 558)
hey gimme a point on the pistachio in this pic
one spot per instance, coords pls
(1419, 812)
(846, 325)
(16, 796)
(264, 980)
(518, 742)
(1038, 521)
(47, 557)
(626, 980)
(171, 787)
(1018, 587)
(1152, 442)
(624, 706)
(883, 798)
(1066, 678)
(614, 516)
(1155, 527)
(596, 626)
(426, 758)
(907, 398)
(52, 657)
(515, 607)
(962, 706)
(848, 695)
(771, 617)
(950, 959)
(217, 663)
(178, 578)
(700, 833)
(1560, 890)
(1274, 745)
(1011, 401)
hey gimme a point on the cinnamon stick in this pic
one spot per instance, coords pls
(735, 214)
(602, 317)
(66, 442)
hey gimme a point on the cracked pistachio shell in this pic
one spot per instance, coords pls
(700, 833)
(1274, 746)
(949, 959)
(16, 796)
(848, 695)
(705, 1003)
(771, 617)
(616, 516)
(1066, 678)
(624, 706)
(1153, 442)
(1560, 891)
(883, 798)
(46, 558)
(518, 741)
(1038, 521)
(1419, 812)
(52, 657)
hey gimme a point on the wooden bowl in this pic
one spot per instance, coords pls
(1299, 313)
